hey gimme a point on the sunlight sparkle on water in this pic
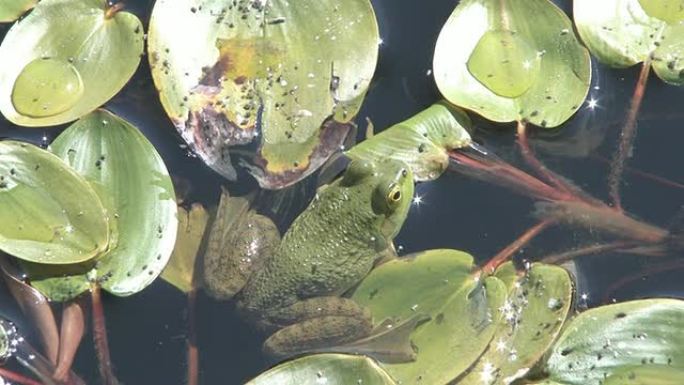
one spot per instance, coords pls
(592, 103)
(417, 200)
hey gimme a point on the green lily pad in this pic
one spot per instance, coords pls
(537, 306)
(50, 214)
(422, 142)
(610, 339)
(180, 271)
(511, 66)
(11, 10)
(65, 59)
(132, 180)
(329, 369)
(286, 76)
(620, 33)
(647, 375)
(441, 284)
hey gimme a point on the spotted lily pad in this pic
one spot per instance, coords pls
(647, 375)
(132, 181)
(422, 142)
(622, 33)
(537, 305)
(10, 10)
(329, 369)
(276, 82)
(519, 60)
(180, 271)
(441, 284)
(609, 340)
(50, 214)
(65, 59)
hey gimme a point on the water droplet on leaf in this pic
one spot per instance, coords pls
(46, 87)
(505, 63)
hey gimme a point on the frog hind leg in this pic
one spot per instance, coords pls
(315, 324)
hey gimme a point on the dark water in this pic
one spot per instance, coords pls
(147, 330)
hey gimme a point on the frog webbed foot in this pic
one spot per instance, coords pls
(315, 324)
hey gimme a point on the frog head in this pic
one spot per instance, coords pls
(390, 183)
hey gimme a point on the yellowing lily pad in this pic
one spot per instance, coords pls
(463, 310)
(422, 142)
(50, 214)
(622, 33)
(10, 10)
(180, 271)
(65, 59)
(132, 181)
(512, 60)
(276, 82)
(329, 369)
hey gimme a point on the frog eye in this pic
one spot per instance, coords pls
(394, 194)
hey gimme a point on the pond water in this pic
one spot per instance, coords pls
(147, 331)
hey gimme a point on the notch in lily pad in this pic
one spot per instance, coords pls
(509, 66)
(272, 84)
(65, 59)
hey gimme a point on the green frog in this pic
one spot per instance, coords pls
(293, 290)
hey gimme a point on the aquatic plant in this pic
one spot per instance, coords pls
(273, 87)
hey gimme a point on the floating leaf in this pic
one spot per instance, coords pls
(50, 214)
(647, 375)
(614, 338)
(422, 142)
(671, 11)
(287, 76)
(180, 270)
(329, 369)
(537, 305)
(511, 66)
(441, 284)
(621, 33)
(10, 10)
(65, 59)
(132, 180)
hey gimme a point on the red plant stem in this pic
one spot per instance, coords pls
(193, 352)
(660, 268)
(645, 175)
(503, 174)
(503, 255)
(627, 135)
(72, 330)
(100, 337)
(589, 250)
(15, 377)
(112, 9)
(546, 174)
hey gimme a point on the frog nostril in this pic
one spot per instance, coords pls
(404, 172)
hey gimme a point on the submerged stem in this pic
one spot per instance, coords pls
(17, 378)
(589, 250)
(100, 337)
(503, 255)
(627, 135)
(192, 352)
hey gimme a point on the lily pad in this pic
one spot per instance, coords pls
(284, 77)
(422, 142)
(611, 339)
(441, 284)
(647, 375)
(180, 271)
(11, 10)
(329, 369)
(65, 59)
(621, 33)
(50, 214)
(132, 180)
(511, 66)
(537, 306)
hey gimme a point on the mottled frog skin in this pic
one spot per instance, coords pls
(294, 294)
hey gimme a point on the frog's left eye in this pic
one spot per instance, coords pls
(394, 194)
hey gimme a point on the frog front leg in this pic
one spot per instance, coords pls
(316, 323)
